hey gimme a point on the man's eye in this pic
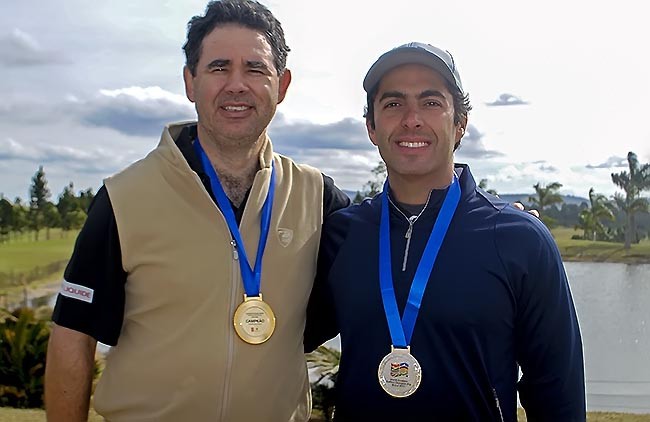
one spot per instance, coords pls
(218, 69)
(433, 103)
(391, 104)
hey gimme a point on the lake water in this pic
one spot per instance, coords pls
(613, 306)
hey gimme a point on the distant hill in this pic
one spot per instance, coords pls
(523, 198)
(512, 197)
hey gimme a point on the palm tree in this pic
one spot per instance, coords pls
(483, 184)
(546, 196)
(632, 183)
(324, 363)
(630, 209)
(591, 218)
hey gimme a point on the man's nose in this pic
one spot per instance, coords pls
(236, 83)
(412, 118)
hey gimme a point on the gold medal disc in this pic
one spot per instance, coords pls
(400, 374)
(254, 320)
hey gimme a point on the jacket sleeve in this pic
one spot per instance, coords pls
(548, 341)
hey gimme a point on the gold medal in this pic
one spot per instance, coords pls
(254, 320)
(399, 372)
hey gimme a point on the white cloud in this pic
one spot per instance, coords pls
(94, 159)
(291, 137)
(144, 94)
(19, 48)
(136, 110)
(10, 149)
(506, 100)
(611, 162)
(472, 146)
(125, 83)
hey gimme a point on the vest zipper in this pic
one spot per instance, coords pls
(496, 400)
(409, 232)
(235, 254)
(230, 335)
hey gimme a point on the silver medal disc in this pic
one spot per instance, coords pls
(399, 373)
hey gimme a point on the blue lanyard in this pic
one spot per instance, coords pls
(401, 331)
(250, 278)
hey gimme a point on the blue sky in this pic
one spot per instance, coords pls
(559, 89)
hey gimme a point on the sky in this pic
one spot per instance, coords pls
(560, 89)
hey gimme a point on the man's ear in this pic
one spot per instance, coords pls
(285, 80)
(189, 83)
(371, 132)
(461, 128)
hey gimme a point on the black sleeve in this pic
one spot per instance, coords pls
(91, 300)
(333, 198)
(322, 323)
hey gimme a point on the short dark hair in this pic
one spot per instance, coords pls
(247, 13)
(462, 106)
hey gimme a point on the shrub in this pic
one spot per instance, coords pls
(23, 348)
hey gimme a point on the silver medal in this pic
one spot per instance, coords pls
(399, 373)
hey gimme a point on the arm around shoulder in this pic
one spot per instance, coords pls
(68, 375)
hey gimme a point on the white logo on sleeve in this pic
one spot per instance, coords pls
(77, 291)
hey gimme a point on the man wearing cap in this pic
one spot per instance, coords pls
(439, 290)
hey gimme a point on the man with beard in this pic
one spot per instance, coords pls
(196, 263)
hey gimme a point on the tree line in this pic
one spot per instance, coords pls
(621, 218)
(38, 212)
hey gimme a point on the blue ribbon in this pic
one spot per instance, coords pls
(250, 277)
(401, 331)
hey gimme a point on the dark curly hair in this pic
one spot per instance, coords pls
(247, 13)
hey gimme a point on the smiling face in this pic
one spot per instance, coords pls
(414, 126)
(236, 87)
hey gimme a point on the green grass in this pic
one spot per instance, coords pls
(8, 414)
(23, 254)
(39, 263)
(37, 415)
(596, 251)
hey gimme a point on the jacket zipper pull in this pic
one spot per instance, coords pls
(409, 231)
(408, 234)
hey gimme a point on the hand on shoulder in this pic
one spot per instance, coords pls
(521, 207)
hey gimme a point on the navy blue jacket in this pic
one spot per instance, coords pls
(498, 297)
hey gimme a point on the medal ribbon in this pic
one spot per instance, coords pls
(250, 277)
(402, 330)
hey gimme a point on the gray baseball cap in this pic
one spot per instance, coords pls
(414, 53)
